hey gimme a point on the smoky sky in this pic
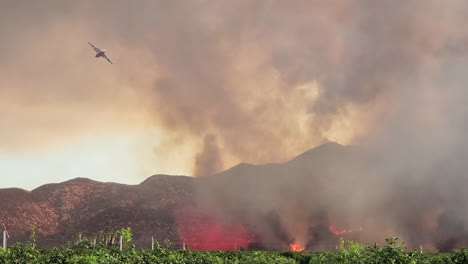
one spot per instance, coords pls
(249, 73)
(266, 80)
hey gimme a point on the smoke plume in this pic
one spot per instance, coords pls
(208, 161)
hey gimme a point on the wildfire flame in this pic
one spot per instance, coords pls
(296, 247)
(333, 230)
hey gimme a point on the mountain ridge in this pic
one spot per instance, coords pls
(61, 210)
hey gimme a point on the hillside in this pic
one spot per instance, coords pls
(310, 200)
(60, 211)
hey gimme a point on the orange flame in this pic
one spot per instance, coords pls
(296, 247)
(332, 229)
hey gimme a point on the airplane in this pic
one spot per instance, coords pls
(100, 53)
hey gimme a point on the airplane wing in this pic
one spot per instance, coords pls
(94, 47)
(107, 58)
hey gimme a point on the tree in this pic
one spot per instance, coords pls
(127, 235)
(32, 236)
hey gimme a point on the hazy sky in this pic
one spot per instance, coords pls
(198, 86)
(188, 77)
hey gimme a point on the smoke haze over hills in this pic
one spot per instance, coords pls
(311, 200)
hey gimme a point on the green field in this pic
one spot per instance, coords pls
(347, 252)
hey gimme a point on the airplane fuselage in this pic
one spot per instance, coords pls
(99, 54)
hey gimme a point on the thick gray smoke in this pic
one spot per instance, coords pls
(267, 80)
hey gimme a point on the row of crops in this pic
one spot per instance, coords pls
(347, 252)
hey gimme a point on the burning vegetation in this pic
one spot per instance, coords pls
(333, 230)
(199, 231)
(296, 247)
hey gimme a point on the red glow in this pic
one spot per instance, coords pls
(333, 230)
(202, 232)
(296, 247)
